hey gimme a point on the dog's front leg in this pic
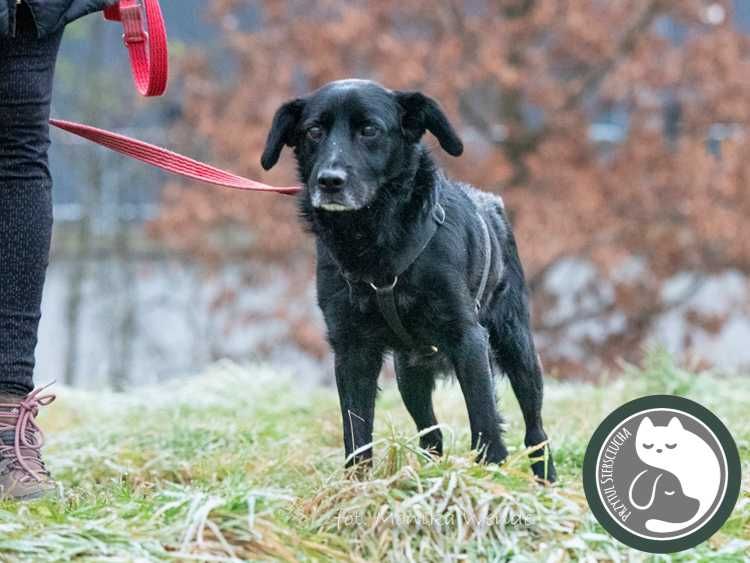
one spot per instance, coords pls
(471, 359)
(357, 373)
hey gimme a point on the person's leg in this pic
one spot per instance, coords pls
(26, 70)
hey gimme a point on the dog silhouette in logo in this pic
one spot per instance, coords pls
(661, 494)
(688, 458)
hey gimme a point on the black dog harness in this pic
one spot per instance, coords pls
(386, 294)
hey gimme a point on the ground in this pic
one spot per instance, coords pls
(245, 463)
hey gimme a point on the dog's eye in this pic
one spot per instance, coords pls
(315, 133)
(669, 493)
(369, 131)
(671, 446)
(648, 446)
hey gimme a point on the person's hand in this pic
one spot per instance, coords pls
(51, 15)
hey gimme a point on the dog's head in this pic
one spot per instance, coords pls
(660, 493)
(351, 137)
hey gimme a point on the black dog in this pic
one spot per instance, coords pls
(411, 262)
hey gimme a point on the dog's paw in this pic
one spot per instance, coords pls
(431, 445)
(544, 469)
(496, 453)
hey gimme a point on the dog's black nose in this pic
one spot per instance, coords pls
(332, 179)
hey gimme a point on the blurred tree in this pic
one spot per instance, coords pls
(615, 131)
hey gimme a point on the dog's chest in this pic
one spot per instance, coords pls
(408, 316)
(363, 298)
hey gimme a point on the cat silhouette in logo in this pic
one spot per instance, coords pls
(661, 494)
(687, 457)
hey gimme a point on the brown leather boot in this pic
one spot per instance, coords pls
(23, 475)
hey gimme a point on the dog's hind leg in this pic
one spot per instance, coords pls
(514, 349)
(471, 358)
(416, 383)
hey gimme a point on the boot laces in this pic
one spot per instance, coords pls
(25, 452)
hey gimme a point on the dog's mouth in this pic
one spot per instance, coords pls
(333, 203)
(335, 207)
(353, 197)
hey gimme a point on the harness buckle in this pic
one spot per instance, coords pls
(385, 287)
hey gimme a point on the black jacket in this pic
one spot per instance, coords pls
(49, 15)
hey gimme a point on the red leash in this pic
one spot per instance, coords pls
(166, 159)
(149, 62)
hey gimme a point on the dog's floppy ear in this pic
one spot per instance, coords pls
(282, 131)
(421, 113)
(642, 492)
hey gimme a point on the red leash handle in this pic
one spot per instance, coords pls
(148, 51)
(167, 160)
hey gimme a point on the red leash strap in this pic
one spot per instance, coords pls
(167, 160)
(147, 48)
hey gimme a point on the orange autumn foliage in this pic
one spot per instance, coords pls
(527, 82)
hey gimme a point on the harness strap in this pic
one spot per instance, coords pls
(487, 262)
(385, 294)
(415, 247)
(386, 297)
(387, 305)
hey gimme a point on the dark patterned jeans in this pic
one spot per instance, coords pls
(26, 69)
